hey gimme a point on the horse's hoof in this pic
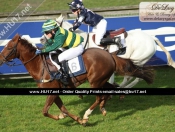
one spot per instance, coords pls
(116, 85)
(84, 124)
(79, 121)
(104, 112)
(62, 116)
(80, 96)
(110, 97)
(84, 121)
(121, 97)
(56, 117)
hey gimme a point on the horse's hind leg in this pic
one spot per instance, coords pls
(125, 81)
(133, 83)
(89, 111)
(130, 85)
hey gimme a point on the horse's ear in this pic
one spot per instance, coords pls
(59, 19)
(16, 37)
(62, 17)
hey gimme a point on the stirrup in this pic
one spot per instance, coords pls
(64, 79)
(117, 40)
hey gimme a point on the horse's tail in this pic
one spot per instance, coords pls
(127, 67)
(146, 73)
(169, 58)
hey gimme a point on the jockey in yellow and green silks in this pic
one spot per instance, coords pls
(58, 37)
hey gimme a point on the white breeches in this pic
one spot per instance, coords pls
(100, 30)
(67, 54)
(71, 53)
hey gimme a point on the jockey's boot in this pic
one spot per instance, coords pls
(116, 40)
(109, 41)
(106, 41)
(65, 76)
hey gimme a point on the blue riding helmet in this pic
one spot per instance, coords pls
(76, 4)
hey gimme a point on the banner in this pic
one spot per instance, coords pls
(164, 31)
(87, 91)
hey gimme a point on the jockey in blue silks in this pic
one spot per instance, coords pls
(94, 20)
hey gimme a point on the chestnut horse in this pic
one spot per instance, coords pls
(99, 65)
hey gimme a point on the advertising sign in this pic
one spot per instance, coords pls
(164, 31)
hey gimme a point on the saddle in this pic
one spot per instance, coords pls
(54, 73)
(113, 33)
(51, 66)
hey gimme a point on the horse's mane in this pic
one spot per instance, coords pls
(24, 42)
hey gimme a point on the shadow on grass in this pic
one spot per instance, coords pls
(130, 105)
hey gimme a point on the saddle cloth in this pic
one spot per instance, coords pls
(76, 66)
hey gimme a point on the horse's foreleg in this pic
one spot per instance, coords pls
(89, 111)
(64, 111)
(49, 101)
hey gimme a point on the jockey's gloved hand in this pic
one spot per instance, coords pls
(71, 29)
(38, 52)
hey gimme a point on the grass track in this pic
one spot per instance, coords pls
(134, 114)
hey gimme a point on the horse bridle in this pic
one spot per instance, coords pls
(13, 50)
(60, 23)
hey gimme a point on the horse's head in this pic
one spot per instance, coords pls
(17, 48)
(9, 51)
(66, 24)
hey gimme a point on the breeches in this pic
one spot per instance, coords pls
(100, 30)
(71, 53)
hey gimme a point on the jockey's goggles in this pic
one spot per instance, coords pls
(74, 10)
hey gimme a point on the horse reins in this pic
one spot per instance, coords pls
(86, 40)
(60, 23)
(47, 69)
